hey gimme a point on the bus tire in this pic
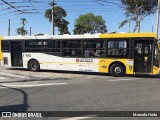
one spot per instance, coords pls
(117, 70)
(34, 65)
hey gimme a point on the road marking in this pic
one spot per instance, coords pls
(3, 77)
(37, 85)
(13, 75)
(76, 118)
(125, 79)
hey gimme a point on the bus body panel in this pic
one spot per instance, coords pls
(81, 64)
(129, 35)
(156, 70)
(8, 57)
(105, 64)
(49, 61)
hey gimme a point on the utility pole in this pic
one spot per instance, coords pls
(152, 25)
(129, 26)
(9, 27)
(157, 19)
(23, 32)
(52, 16)
(30, 31)
(139, 25)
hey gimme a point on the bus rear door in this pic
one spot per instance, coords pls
(16, 54)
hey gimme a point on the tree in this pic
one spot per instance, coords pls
(89, 23)
(21, 30)
(137, 10)
(60, 22)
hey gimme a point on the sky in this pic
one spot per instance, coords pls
(111, 11)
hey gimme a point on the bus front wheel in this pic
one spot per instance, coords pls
(117, 70)
(34, 65)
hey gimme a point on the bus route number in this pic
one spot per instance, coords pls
(28, 55)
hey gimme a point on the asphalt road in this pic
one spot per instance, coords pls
(22, 90)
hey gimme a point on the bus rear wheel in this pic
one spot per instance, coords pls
(117, 70)
(34, 65)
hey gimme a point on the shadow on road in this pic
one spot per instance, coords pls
(89, 73)
(147, 76)
(33, 80)
(19, 107)
(61, 71)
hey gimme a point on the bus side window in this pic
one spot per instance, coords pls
(92, 53)
(86, 53)
(5, 45)
(93, 48)
(117, 48)
(71, 48)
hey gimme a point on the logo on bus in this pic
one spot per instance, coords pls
(77, 60)
(84, 60)
(104, 67)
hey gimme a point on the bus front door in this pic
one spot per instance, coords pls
(143, 56)
(16, 54)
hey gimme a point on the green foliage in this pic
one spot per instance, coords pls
(145, 7)
(124, 22)
(137, 10)
(21, 30)
(59, 21)
(89, 23)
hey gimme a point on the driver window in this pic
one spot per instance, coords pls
(156, 56)
(138, 48)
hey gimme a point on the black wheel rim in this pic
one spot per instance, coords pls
(117, 70)
(34, 66)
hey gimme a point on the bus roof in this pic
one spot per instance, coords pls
(66, 36)
(129, 35)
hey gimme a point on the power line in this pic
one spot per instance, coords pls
(16, 7)
(12, 6)
(30, 1)
(36, 6)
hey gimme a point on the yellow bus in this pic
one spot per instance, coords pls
(117, 53)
